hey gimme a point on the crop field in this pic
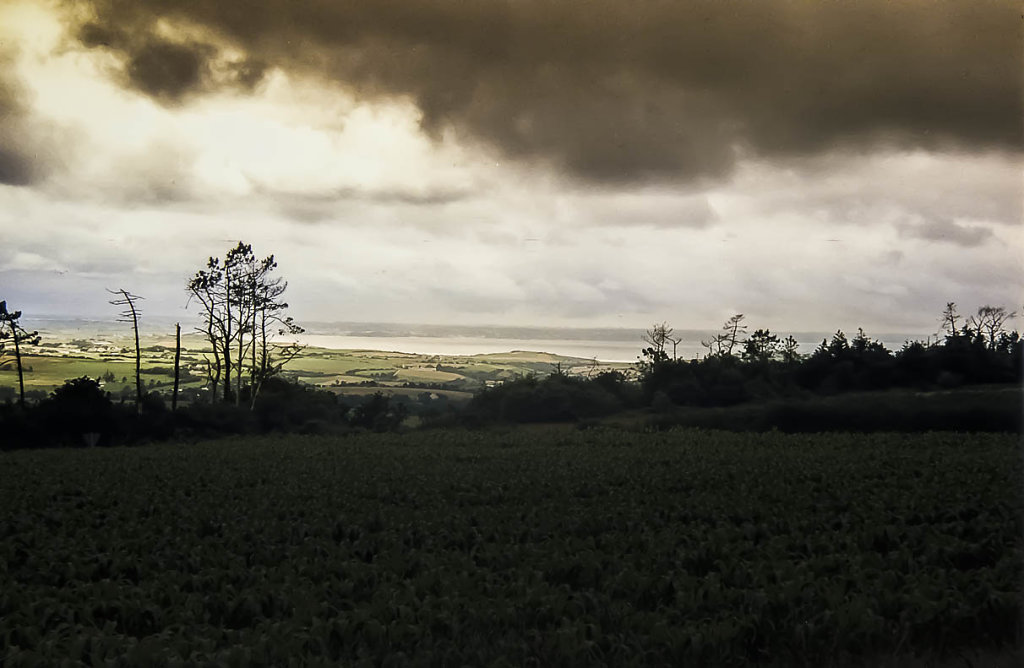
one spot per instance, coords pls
(47, 366)
(544, 547)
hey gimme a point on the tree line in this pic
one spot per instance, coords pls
(242, 317)
(738, 365)
(744, 368)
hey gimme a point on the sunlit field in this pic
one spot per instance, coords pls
(547, 546)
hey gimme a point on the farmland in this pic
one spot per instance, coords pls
(345, 372)
(525, 546)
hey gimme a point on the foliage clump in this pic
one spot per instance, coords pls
(544, 546)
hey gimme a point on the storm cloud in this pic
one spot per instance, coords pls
(607, 91)
(596, 163)
(17, 165)
(949, 231)
(170, 70)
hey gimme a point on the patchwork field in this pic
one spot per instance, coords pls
(343, 371)
(548, 546)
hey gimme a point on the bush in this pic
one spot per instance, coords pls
(378, 413)
(285, 406)
(78, 407)
(202, 419)
(557, 398)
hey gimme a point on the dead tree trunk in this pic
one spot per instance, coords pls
(21, 377)
(131, 314)
(177, 366)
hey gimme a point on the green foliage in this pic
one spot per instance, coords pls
(377, 412)
(523, 547)
(78, 407)
(771, 369)
(556, 398)
(986, 409)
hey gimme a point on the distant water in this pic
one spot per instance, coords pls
(606, 351)
(604, 344)
(611, 345)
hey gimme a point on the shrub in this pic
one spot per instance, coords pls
(78, 407)
(557, 398)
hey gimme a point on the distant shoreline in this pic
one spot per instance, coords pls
(605, 344)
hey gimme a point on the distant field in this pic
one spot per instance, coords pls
(48, 366)
(547, 546)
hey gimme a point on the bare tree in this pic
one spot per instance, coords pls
(656, 338)
(177, 365)
(989, 322)
(723, 343)
(207, 288)
(131, 314)
(10, 328)
(675, 341)
(949, 319)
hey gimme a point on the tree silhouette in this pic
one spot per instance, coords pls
(10, 328)
(177, 366)
(949, 319)
(241, 311)
(657, 338)
(131, 314)
(989, 322)
(722, 344)
(761, 347)
(790, 350)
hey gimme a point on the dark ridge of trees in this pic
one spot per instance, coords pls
(80, 414)
(765, 370)
(981, 351)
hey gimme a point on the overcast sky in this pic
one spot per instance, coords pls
(550, 162)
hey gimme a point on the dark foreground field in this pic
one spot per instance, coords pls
(539, 547)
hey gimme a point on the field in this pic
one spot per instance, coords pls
(346, 372)
(548, 546)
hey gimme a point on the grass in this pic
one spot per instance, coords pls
(976, 408)
(57, 361)
(528, 546)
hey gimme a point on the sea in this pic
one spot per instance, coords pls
(602, 344)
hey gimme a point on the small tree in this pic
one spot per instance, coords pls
(949, 320)
(722, 344)
(989, 323)
(10, 328)
(790, 350)
(657, 338)
(80, 407)
(761, 347)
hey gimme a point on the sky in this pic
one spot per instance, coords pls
(813, 165)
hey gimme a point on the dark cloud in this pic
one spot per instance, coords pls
(17, 165)
(167, 70)
(171, 70)
(616, 91)
(321, 206)
(428, 197)
(949, 231)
